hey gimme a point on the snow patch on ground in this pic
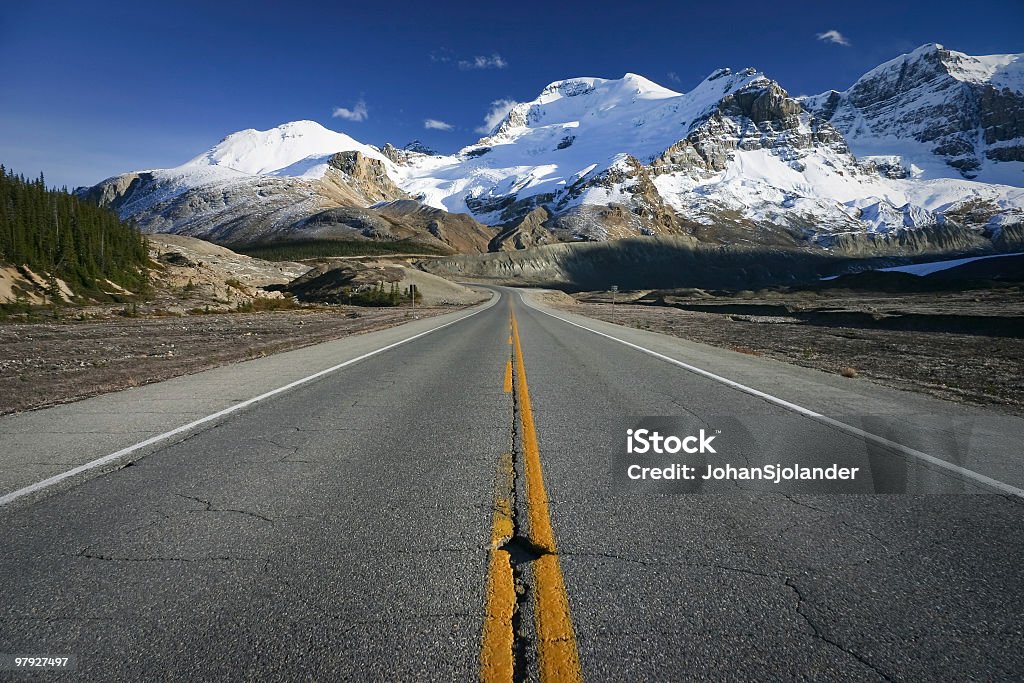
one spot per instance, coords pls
(936, 266)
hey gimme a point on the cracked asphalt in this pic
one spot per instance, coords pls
(340, 531)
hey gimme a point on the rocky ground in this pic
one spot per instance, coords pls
(45, 363)
(205, 306)
(851, 333)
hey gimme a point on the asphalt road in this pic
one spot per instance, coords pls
(355, 527)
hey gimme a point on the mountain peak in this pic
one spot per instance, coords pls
(932, 60)
(417, 147)
(630, 85)
(605, 158)
(265, 151)
(589, 103)
(646, 86)
(927, 48)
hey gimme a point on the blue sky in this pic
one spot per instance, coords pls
(94, 89)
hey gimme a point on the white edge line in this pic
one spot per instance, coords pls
(868, 436)
(57, 478)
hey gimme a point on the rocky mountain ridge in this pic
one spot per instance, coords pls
(935, 104)
(736, 160)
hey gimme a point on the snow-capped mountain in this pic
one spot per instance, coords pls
(935, 110)
(297, 179)
(735, 159)
(280, 150)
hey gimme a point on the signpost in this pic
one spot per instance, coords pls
(615, 288)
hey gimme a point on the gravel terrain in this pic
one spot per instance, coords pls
(45, 363)
(982, 369)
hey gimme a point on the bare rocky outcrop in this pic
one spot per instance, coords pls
(529, 232)
(458, 231)
(937, 240)
(760, 116)
(637, 262)
(404, 155)
(114, 192)
(354, 173)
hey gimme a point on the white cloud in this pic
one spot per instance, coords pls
(434, 124)
(356, 113)
(674, 77)
(499, 110)
(443, 55)
(495, 61)
(834, 36)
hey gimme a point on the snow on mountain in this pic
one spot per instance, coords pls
(735, 159)
(296, 159)
(292, 149)
(936, 113)
(735, 151)
(574, 129)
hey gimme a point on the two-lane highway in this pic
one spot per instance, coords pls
(443, 511)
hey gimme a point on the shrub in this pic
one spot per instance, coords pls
(262, 303)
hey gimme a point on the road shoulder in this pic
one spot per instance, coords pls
(945, 429)
(39, 445)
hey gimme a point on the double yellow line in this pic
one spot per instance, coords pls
(557, 656)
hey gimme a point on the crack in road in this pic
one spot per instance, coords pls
(223, 558)
(211, 508)
(818, 634)
(835, 516)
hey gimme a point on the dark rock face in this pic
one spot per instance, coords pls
(895, 171)
(396, 155)
(761, 116)
(644, 211)
(1009, 238)
(1002, 123)
(410, 151)
(417, 147)
(761, 104)
(920, 97)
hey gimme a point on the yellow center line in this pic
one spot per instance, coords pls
(496, 655)
(557, 655)
(508, 376)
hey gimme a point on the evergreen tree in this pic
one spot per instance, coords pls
(54, 232)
